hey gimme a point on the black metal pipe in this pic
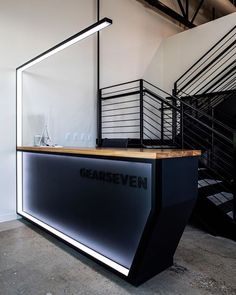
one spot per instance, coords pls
(120, 84)
(234, 179)
(170, 12)
(105, 19)
(99, 103)
(120, 95)
(141, 111)
(208, 65)
(215, 45)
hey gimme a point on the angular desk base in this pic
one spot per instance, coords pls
(126, 213)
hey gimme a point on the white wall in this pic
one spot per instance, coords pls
(60, 91)
(28, 27)
(128, 48)
(180, 51)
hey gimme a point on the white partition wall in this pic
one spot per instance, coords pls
(29, 28)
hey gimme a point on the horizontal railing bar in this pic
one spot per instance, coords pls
(150, 93)
(201, 77)
(125, 120)
(122, 132)
(155, 101)
(211, 73)
(128, 101)
(125, 108)
(156, 127)
(120, 95)
(204, 73)
(207, 116)
(135, 113)
(145, 102)
(203, 95)
(191, 73)
(145, 127)
(208, 167)
(208, 65)
(158, 138)
(224, 86)
(204, 147)
(120, 84)
(110, 127)
(155, 139)
(150, 111)
(226, 75)
(121, 90)
(158, 117)
(210, 128)
(202, 57)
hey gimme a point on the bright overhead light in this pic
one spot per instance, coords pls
(60, 46)
(105, 22)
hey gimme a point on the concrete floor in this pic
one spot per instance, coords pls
(33, 262)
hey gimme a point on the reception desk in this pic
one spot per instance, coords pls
(125, 208)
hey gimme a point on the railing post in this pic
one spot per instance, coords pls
(99, 118)
(162, 122)
(234, 179)
(182, 124)
(212, 137)
(174, 117)
(141, 111)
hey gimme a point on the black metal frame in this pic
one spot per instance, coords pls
(210, 81)
(184, 18)
(105, 19)
(217, 51)
(155, 239)
(189, 126)
(139, 88)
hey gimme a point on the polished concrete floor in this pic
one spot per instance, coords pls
(33, 262)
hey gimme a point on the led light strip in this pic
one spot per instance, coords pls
(78, 245)
(107, 261)
(68, 42)
(19, 187)
(19, 71)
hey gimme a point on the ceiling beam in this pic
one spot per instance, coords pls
(197, 10)
(181, 7)
(170, 12)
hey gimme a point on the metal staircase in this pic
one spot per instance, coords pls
(207, 86)
(152, 118)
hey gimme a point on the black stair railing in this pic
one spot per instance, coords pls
(151, 117)
(130, 110)
(215, 67)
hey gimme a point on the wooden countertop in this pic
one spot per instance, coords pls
(116, 152)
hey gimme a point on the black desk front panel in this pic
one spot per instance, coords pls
(101, 203)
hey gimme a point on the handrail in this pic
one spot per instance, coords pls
(182, 126)
(217, 43)
(120, 84)
(208, 65)
(229, 129)
(194, 109)
(197, 120)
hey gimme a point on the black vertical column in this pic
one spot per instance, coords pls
(141, 112)
(234, 184)
(99, 106)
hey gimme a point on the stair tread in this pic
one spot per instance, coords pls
(220, 198)
(230, 214)
(207, 182)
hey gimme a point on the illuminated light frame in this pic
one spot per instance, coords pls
(19, 71)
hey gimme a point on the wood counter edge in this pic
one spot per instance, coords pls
(115, 152)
